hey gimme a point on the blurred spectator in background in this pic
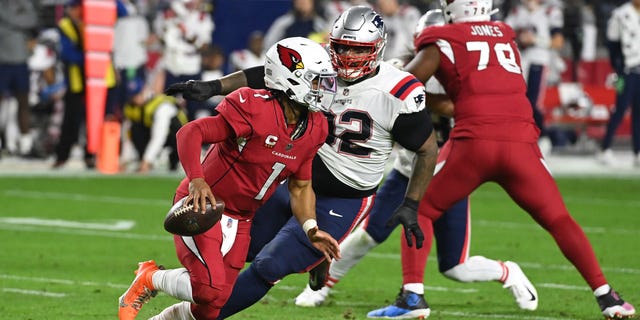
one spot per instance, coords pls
(187, 30)
(623, 35)
(213, 62)
(71, 29)
(538, 28)
(154, 120)
(251, 56)
(18, 22)
(400, 21)
(303, 20)
(131, 37)
(332, 9)
(46, 91)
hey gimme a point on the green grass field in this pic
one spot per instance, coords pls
(69, 247)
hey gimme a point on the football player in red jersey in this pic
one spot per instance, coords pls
(261, 138)
(376, 105)
(494, 138)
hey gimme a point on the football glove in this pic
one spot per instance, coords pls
(195, 89)
(407, 215)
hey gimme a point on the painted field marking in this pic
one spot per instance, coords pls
(35, 293)
(17, 193)
(90, 233)
(117, 225)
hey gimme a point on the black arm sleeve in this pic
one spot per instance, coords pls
(255, 77)
(413, 129)
(615, 56)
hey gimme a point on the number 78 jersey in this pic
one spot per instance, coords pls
(481, 72)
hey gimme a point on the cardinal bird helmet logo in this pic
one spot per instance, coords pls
(290, 58)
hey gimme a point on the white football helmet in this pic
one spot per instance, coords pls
(430, 18)
(301, 68)
(466, 10)
(357, 41)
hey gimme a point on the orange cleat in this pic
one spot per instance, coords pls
(140, 291)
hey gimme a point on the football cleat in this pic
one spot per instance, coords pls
(318, 275)
(140, 291)
(613, 307)
(408, 305)
(523, 291)
(312, 298)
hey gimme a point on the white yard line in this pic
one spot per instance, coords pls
(17, 193)
(35, 293)
(117, 225)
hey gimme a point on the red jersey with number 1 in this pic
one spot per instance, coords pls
(244, 170)
(481, 73)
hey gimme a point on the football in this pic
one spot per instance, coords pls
(183, 221)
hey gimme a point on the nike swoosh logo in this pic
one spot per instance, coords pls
(243, 100)
(533, 297)
(332, 213)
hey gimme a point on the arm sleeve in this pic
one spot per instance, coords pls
(255, 77)
(411, 130)
(191, 137)
(616, 58)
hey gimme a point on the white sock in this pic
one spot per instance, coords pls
(174, 282)
(178, 311)
(602, 290)
(414, 287)
(476, 268)
(352, 249)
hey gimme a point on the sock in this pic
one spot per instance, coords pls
(250, 287)
(354, 247)
(602, 290)
(414, 287)
(174, 282)
(178, 311)
(476, 268)
(414, 261)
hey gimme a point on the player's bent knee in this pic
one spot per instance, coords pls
(269, 269)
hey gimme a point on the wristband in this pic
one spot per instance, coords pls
(308, 225)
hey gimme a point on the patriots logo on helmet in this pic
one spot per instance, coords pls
(377, 21)
(290, 58)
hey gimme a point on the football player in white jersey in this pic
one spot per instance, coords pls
(453, 231)
(623, 35)
(375, 106)
(538, 29)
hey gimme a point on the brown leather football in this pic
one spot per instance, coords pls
(183, 221)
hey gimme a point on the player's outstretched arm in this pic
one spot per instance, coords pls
(303, 205)
(202, 90)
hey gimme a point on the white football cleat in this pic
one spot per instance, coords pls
(523, 291)
(310, 298)
(606, 158)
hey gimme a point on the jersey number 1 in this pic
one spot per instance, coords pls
(504, 52)
(277, 168)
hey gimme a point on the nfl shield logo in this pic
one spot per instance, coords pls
(289, 146)
(345, 92)
(229, 223)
